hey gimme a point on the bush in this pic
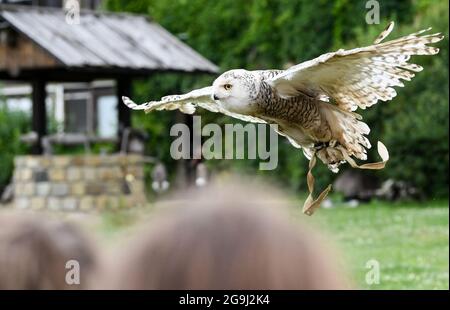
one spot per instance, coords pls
(12, 125)
(414, 126)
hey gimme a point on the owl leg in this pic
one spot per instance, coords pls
(321, 145)
(329, 154)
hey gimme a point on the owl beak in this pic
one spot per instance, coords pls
(214, 97)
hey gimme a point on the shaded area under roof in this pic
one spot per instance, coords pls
(104, 42)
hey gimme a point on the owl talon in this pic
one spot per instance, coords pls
(320, 145)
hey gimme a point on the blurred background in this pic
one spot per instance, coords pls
(398, 216)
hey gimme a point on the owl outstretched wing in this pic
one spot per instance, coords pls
(358, 77)
(187, 103)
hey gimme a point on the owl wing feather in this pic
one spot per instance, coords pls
(187, 103)
(358, 77)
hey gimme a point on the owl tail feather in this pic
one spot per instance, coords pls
(382, 151)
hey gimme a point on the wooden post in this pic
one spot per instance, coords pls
(39, 117)
(185, 168)
(123, 88)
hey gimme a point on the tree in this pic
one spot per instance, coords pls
(259, 34)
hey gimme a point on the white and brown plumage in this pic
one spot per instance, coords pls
(313, 102)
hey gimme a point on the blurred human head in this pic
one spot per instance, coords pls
(34, 251)
(227, 236)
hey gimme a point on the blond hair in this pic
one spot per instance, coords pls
(233, 236)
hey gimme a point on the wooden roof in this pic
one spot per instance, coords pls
(103, 43)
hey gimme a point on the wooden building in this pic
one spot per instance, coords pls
(40, 45)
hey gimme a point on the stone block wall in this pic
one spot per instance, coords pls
(79, 182)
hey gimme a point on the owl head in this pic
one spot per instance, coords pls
(236, 90)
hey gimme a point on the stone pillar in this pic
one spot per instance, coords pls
(79, 183)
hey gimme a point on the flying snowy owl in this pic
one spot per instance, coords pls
(313, 102)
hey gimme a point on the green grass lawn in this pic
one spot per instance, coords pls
(409, 240)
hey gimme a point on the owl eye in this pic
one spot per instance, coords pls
(227, 86)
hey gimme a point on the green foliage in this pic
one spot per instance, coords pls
(414, 125)
(261, 34)
(12, 125)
